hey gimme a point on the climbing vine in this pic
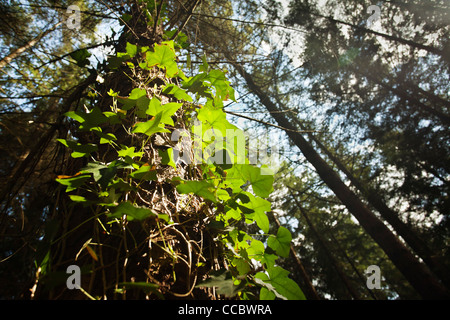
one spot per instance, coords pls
(165, 158)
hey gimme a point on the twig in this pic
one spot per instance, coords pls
(270, 124)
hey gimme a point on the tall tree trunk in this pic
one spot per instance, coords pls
(392, 217)
(414, 271)
(129, 251)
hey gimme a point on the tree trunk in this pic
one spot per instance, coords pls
(172, 258)
(389, 215)
(414, 271)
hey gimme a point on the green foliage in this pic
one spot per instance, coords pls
(81, 57)
(111, 186)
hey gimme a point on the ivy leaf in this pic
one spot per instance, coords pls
(150, 127)
(281, 243)
(102, 174)
(259, 207)
(214, 118)
(79, 150)
(201, 188)
(262, 184)
(80, 199)
(167, 110)
(131, 49)
(265, 294)
(105, 137)
(128, 152)
(145, 172)
(268, 292)
(218, 80)
(115, 62)
(195, 85)
(137, 97)
(167, 157)
(132, 212)
(177, 92)
(278, 278)
(241, 265)
(74, 182)
(113, 118)
(89, 121)
(81, 57)
(163, 56)
(224, 283)
(256, 249)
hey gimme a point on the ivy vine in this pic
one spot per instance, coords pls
(111, 186)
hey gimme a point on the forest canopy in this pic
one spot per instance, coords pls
(224, 149)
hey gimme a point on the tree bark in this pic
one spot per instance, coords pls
(414, 271)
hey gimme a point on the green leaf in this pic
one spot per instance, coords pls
(145, 172)
(177, 92)
(259, 207)
(131, 49)
(113, 118)
(265, 294)
(281, 243)
(167, 157)
(137, 97)
(278, 278)
(195, 85)
(102, 174)
(105, 137)
(72, 183)
(81, 57)
(167, 110)
(150, 127)
(214, 118)
(132, 212)
(268, 292)
(224, 283)
(115, 62)
(256, 250)
(89, 121)
(218, 80)
(201, 188)
(163, 56)
(129, 152)
(241, 265)
(262, 184)
(79, 150)
(80, 199)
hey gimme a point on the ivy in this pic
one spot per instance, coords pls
(234, 192)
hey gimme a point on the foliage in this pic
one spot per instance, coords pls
(111, 187)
